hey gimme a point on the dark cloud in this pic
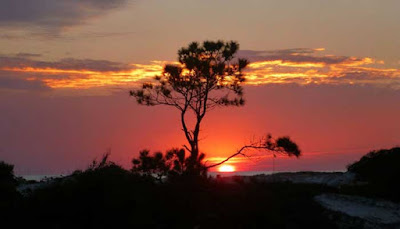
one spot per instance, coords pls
(296, 55)
(27, 55)
(50, 35)
(53, 15)
(16, 81)
(17, 72)
(292, 51)
(20, 84)
(23, 60)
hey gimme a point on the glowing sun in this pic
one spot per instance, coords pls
(226, 168)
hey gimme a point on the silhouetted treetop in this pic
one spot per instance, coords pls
(286, 145)
(203, 69)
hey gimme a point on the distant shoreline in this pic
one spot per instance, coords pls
(213, 174)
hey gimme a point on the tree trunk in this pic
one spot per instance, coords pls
(193, 167)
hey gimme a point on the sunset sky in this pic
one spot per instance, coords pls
(326, 73)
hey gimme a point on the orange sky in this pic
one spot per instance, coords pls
(303, 93)
(333, 125)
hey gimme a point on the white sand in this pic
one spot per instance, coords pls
(371, 210)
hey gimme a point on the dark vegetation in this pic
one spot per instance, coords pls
(8, 193)
(380, 172)
(172, 165)
(108, 196)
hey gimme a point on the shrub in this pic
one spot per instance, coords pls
(381, 170)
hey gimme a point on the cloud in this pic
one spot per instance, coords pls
(70, 73)
(296, 55)
(25, 60)
(308, 66)
(289, 66)
(20, 82)
(27, 55)
(53, 15)
(292, 51)
(51, 35)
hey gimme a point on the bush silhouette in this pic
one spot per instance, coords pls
(6, 173)
(102, 196)
(381, 170)
(8, 192)
(171, 164)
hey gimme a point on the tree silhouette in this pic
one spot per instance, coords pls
(207, 76)
(148, 165)
(173, 163)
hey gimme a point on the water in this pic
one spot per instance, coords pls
(239, 173)
(40, 177)
(213, 174)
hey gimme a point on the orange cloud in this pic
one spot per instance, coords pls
(300, 66)
(85, 79)
(305, 69)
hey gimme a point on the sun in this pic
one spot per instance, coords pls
(226, 168)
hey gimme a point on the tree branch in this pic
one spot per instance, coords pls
(238, 153)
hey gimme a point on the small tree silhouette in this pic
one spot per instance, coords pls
(208, 76)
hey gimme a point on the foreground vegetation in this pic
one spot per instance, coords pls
(379, 171)
(108, 196)
(111, 197)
